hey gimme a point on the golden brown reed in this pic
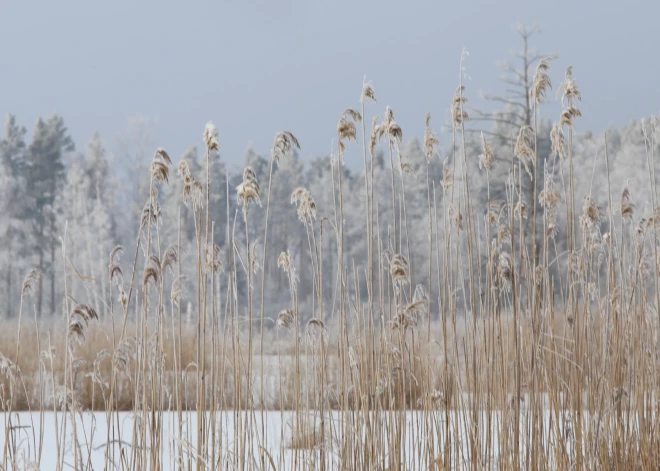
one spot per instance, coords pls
(78, 321)
(431, 141)
(248, 191)
(211, 136)
(284, 144)
(306, 206)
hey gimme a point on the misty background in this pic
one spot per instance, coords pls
(255, 67)
(91, 90)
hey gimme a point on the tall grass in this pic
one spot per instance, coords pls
(516, 354)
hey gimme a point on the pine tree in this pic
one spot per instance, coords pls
(12, 165)
(45, 173)
(218, 198)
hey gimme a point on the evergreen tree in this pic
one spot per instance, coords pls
(12, 188)
(218, 197)
(45, 173)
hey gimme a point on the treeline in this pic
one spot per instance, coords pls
(59, 203)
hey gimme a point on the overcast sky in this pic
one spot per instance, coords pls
(255, 67)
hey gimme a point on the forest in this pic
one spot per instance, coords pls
(49, 186)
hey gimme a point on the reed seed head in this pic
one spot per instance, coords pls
(160, 171)
(395, 132)
(352, 114)
(213, 261)
(524, 148)
(559, 146)
(160, 165)
(125, 351)
(184, 171)
(195, 193)
(404, 167)
(552, 227)
(541, 82)
(79, 320)
(116, 273)
(458, 114)
(255, 260)
(503, 235)
(151, 214)
(193, 190)
(211, 136)
(407, 317)
(447, 175)
(520, 211)
(430, 140)
(345, 131)
(248, 191)
(569, 89)
(170, 258)
(389, 127)
(399, 269)
(494, 214)
(177, 293)
(152, 271)
(456, 218)
(389, 116)
(627, 208)
(567, 116)
(8, 368)
(286, 263)
(549, 196)
(305, 203)
(316, 323)
(30, 281)
(505, 271)
(367, 92)
(486, 157)
(123, 299)
(592, 214)
(284, 144)
(374, 135)
(285, 318)
(162, 155)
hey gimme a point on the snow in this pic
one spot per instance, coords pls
(33, 437)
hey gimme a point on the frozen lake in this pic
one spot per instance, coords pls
(108, 440)
(267, 439)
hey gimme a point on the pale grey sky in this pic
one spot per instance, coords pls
(256, 67)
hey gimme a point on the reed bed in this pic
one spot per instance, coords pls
(533, 343)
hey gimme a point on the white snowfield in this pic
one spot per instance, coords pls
(105, 441)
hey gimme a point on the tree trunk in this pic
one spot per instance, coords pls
(40, 287)
(52, 278)
(9, 270)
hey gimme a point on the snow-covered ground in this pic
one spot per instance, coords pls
(35, 446)
(34, 437)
